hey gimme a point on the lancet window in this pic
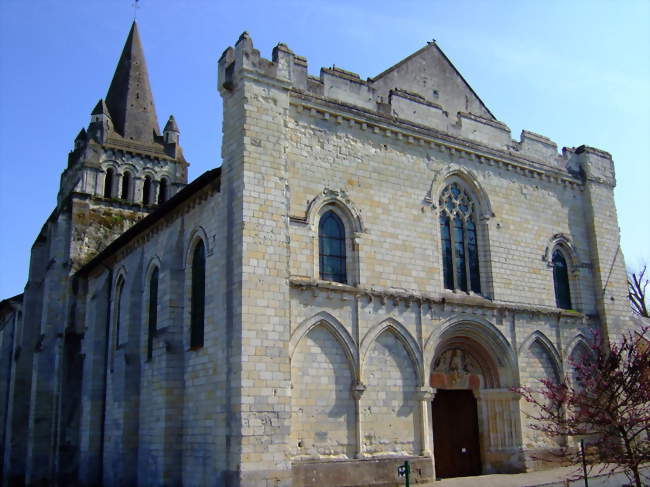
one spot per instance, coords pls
(458, 228)
(197, 305)
(120, 311)
(561, 280)
(126, 185)
(108, 183)
(331, 248)
(153, 311)
(146, 191)
(162, 191)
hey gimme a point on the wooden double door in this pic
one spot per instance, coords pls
(455, 434)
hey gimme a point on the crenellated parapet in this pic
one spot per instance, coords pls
(423, 93)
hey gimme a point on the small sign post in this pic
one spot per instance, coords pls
(405, 471)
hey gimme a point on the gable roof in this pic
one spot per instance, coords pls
(430, 69)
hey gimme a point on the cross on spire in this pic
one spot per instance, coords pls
(136, 6)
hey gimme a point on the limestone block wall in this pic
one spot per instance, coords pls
(392, 342)
(389, 416)
(167, 411)
(393, 186)
(323, 409)
(536, 363)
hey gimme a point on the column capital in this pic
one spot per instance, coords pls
(425, 393)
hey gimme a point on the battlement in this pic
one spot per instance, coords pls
(424, 89)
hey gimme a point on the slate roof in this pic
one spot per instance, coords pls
(129, 99)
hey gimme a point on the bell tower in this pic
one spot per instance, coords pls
(120, 168)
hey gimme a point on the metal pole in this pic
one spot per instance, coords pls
(584, 461)
(408, 473)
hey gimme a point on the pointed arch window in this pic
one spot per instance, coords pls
(126, 185)
(108, 183)
(152, 321)
(120, 311)
(458, 234)
(561, 280)
(162, 191)
(197, 304)
(331, 248)
(146, 191)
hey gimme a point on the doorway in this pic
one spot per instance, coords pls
(455, 434)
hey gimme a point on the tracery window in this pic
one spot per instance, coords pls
(197, 305)
(561, 280)
(331, 248)
(152, 323)
(108, 183)
(458, 229)
(126, 185)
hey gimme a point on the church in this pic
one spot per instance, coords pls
(364, 279)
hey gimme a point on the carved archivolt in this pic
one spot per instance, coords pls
(563, 242)
(339, 200)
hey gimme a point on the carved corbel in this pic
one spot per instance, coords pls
(358, 390)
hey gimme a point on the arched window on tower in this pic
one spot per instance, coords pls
(197, 304)
(561, 280)
(162, 191)
(108, 183)
(146, 191)
(152, 321)
(331, 248)
(126, 185)
(458, 233)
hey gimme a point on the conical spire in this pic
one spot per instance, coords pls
(129, 98)
(171, 125)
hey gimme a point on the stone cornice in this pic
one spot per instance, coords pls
(130, 147)
(445, 298)
(412, 133)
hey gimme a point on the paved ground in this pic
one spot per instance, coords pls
(548, 478)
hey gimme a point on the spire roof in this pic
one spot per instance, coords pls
(171, 125)
(129, 99)
(100, 109)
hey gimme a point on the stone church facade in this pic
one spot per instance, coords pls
(373, 267)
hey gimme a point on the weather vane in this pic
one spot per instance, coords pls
(136, 6)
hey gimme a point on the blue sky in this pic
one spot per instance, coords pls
(577, 72)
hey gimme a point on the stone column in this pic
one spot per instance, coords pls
(155, 188)
(116, 190)
(357, 392)
(499, 426)
(425, 395)
(483, 423)
(138, 186)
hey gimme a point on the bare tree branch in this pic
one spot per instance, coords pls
(608, 399)
(637, 292)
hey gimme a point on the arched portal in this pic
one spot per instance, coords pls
(475, 416)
